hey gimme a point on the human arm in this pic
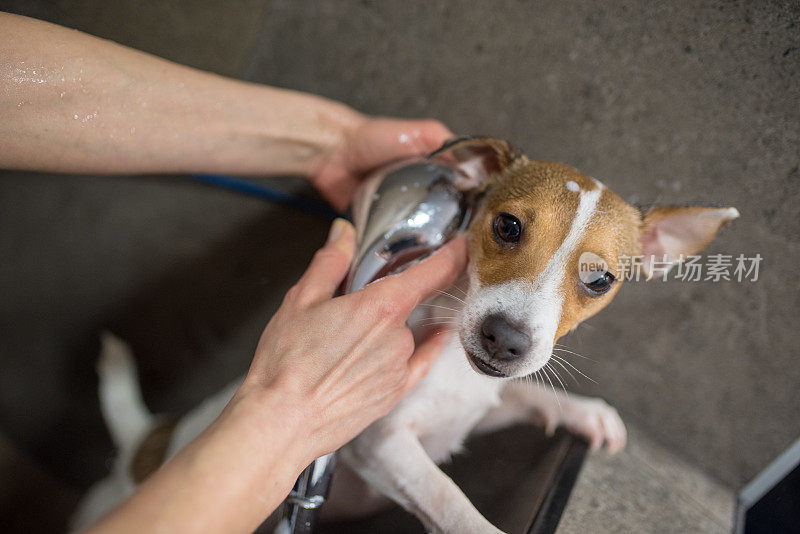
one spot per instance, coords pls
(75, 103)
(324, 369)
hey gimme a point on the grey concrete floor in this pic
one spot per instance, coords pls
(667, 103)
(646, 488)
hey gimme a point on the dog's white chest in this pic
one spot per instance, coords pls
(447, 403)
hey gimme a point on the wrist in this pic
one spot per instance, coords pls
(276, 415)
(336, 124)
(303, 130)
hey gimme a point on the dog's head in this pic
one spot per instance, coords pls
(546, 246)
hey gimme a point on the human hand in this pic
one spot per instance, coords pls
(369, 144)
(344, 362)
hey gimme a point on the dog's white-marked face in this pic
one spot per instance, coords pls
(545, 248)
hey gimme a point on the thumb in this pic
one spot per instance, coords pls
(329, 265)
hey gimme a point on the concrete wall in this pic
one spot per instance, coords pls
(668, 102)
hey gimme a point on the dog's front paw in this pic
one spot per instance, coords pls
(591, 418)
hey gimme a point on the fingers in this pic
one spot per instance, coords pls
(433, 135)
(425, 354)
(421, 280)
(329, 265)
(384, 140)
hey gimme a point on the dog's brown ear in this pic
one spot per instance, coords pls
(477, 159)
(669, 232)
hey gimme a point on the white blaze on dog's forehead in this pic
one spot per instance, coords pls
(550, 279)
(556, 268)
(573, 186)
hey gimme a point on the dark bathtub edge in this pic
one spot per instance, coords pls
(549, 514)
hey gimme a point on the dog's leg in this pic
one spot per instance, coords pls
(394, 462)
(591, 418)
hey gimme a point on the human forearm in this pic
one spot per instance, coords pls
(71, 102)
(229, 479)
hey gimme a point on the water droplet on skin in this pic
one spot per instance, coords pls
(75, 117)
(89, 117)
(404, 139)
(61, 94)
(133, 129)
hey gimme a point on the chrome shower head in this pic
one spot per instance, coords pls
(403, 213)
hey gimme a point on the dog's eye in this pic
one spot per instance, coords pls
(507, 228)
(599, 283)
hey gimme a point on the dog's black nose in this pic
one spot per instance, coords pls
(501, 340)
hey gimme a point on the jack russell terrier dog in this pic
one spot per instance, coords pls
(523, 290)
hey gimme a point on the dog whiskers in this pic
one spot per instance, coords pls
(547, 375)
(448, 322)
(536, 374)
(558, 377)
(451, 296)
(461, 290)
(440, 307)
(559, 358)
(562, 348)
(567, 370)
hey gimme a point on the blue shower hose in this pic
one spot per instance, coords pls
(252, 189)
